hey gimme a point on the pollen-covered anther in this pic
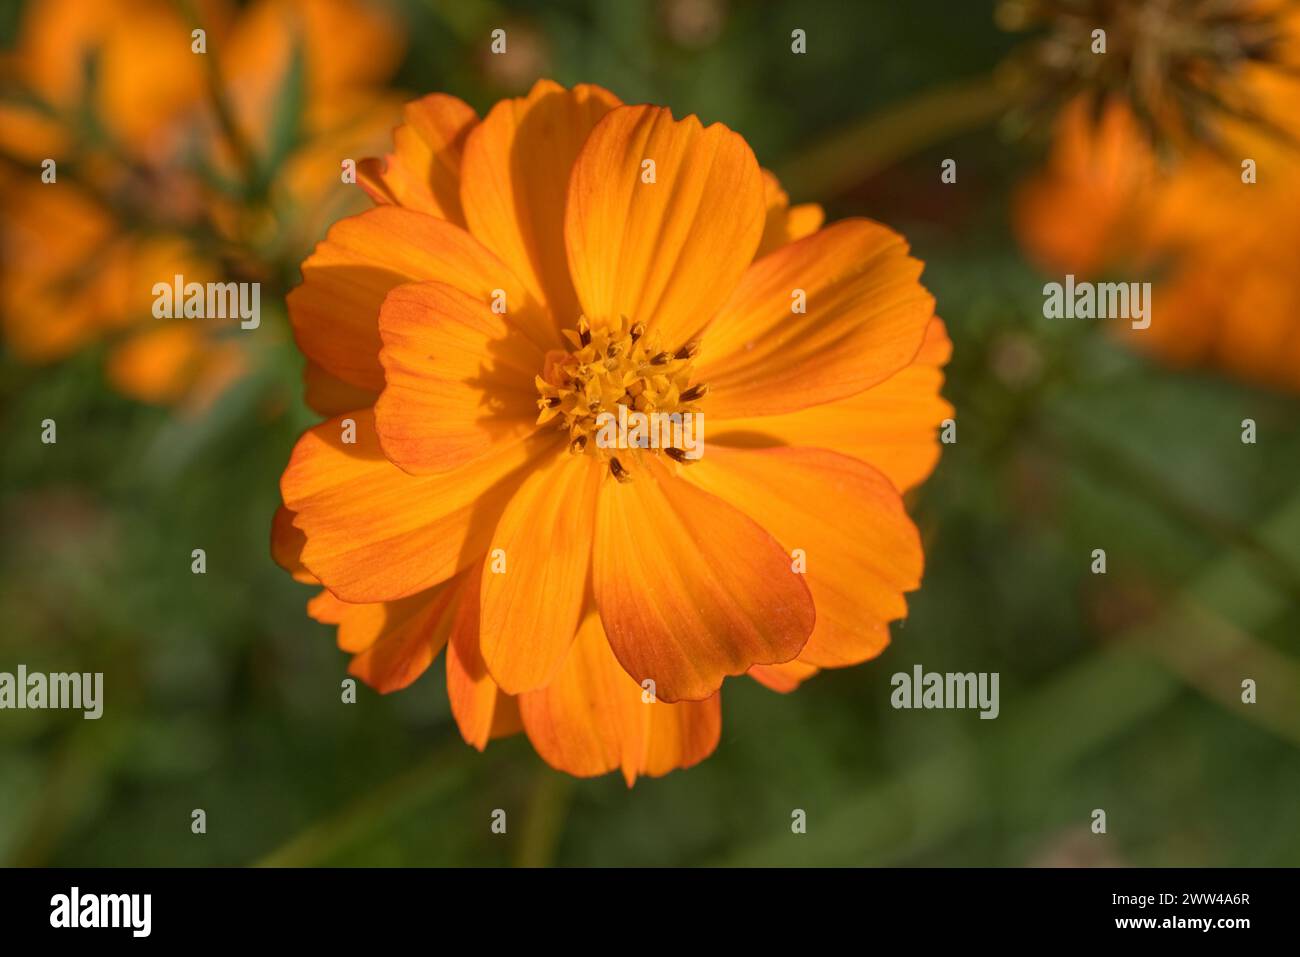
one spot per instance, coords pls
(608, 366)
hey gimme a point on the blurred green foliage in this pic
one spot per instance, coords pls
(1118, 692)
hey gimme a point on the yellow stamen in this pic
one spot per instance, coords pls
(612, 366)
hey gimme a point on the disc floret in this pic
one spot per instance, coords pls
(613, 365)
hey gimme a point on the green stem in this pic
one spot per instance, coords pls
(544, 821)
(243, 153)
(850, 156)
(1213, 657)
(324, 839)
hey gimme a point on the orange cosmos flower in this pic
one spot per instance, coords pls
(130, 208)
(1217, 219)
(562, 257)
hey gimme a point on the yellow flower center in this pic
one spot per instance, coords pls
(608, 367)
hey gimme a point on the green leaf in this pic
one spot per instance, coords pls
(286, 120)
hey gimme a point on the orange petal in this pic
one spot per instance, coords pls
(516, 172)
(459, 378)
(286, 546)
(680, 735)
(666, 253)
(506, 719)
(49, 235)
(335, 311)
(593, 718)
(803, 220)
(866, 317)
(784, 223)
(690, 590)
(328, 610)
(329, 395)
(1083, 210)
(783, 678)
(375, 533)
(423, 171)
(859, 556)
(403, 637)
(176, 363)
(345, 44)
(134, 47)
(397, 640)
(892, 426)
(157, 365)
(482, 710)
(530, 611)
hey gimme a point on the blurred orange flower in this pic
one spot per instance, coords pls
(147, 183)
(1218, 221)
(571, 255)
